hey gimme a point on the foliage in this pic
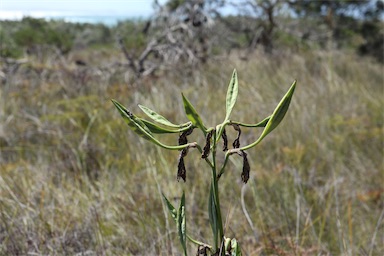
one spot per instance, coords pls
(30, 33)
(213, 135)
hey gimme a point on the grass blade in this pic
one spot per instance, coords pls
(233, 90)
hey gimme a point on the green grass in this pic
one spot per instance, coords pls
(75, 179)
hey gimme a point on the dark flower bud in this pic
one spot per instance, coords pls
(246, 168)
(183, 137)
(207, 146)
(181, 171)
(225, 140)
(236, 142)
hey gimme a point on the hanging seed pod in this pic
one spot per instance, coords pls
(246, 167)
(207, 146)
(181, 171)
(225, 140)
(236, 142)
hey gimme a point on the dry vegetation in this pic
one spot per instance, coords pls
(75, 181)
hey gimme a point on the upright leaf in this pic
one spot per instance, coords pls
(192, 114)
(174, 215)
(181, 224)
(170, 207)
(232, 93)
(276, 117)
(280, 111)
(157, 117)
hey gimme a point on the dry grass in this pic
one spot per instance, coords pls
(75, 181)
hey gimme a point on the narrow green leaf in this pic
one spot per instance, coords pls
(213, 215)
(232, 93)
(157, 117)
(134, 122)
(170, 207)
(192, 115)
(280, 111)
(172, 210)
(137, 125)
(181, 224)
(154, 128)
(276, 117)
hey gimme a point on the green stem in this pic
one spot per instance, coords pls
(216, 193)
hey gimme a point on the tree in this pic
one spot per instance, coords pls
(180, 31)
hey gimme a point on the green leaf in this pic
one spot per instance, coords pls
(212, 213)
(134, 122)
(280, 111)
(181, 224)
(154, 128)
(157, 117)
(276, 117)
(192, 115)
(170, 207)
(138, 126)
(232, 93)
(174, 215)
(235, 248)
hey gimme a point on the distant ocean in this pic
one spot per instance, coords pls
(108, 20)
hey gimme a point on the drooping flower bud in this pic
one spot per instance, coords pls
(207, 146)
(181, 171)
(246, 167)
(236, 142)
(225, 140)
(183, 136)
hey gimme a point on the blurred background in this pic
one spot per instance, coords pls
(74, 180)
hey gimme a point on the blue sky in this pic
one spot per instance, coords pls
(128, 8)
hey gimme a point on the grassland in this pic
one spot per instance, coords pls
(75, 181)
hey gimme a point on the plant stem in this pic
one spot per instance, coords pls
(216, 193)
